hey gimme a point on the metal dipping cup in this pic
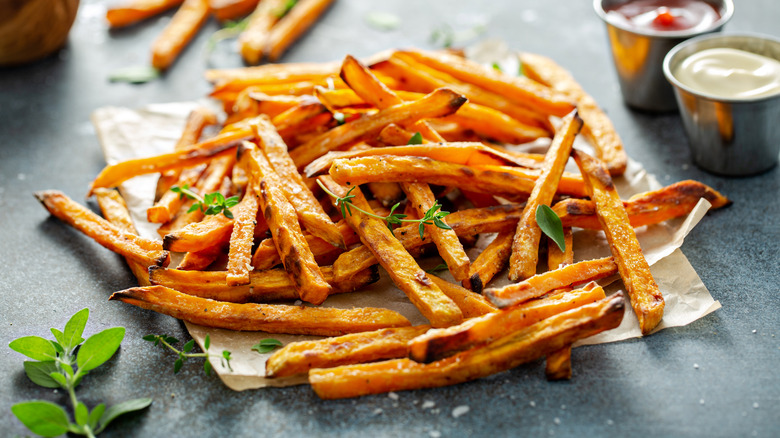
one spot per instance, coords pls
(733, 137)
(638, 55)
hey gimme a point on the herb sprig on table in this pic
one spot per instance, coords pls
(166, 341)
(211, 204)
(432, 217)
(55, 365)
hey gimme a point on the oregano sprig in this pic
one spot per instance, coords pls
(434, 215)
(166, 341)
(211, 204)
(57, 365)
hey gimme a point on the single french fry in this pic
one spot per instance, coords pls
(391, 135)
(185, 23)
(203, 152)
(271, 318)
(647, 208)
(266, 256)
(646, 299)
(300, 357)
(557, 258)
(272, 106)
(471, 304)
(520, 89)
(438, 344)
(439, 103)
(255, 37)
(525, 246)
(558, 366)
(403, 269)
(598, 129)
(306, 206)
(200, 260)
(535, 341)
(144, 251)
(241, 241)
(115, 211)
(473, 154)
(264, 286)
(274, 73)
(492, 260)
(197, 121)
(495, 180)
(465, 223)
(294, 24)
(225, 10)
(133, 11)
(450, 248)
(540, 284)
(283, 222)
(494, 124)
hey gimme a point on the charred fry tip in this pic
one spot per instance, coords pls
(164, 259)
(373, 275)
(168, 241)
(476, 284)
(134, 293)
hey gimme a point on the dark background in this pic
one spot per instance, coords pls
(647, 386)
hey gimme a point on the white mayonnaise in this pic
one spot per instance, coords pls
(730, 73)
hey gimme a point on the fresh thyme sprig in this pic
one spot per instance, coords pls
(184, 354)
(433, 216)
(211, 204)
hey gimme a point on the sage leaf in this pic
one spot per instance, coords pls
(42, 417)
(121, 409)
(34, 347)
(416, 139)
(99, 348)
(40, 373)
(551, 225)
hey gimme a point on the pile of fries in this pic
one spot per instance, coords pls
(323, 155)
(272, 27)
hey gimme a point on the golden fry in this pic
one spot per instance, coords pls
(185, 23)
(492, 260)
(293, 25)
(115, 211)
(254, 38)
(241, 241)
(133, 11)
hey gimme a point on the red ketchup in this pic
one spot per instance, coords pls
(664, 15)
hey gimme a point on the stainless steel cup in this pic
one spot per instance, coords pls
(734, 137)
(639, 54)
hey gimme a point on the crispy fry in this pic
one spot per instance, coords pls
(283, 222)
(540, 284)
(133, 11)
(309, 211)
(185, 23)
(496, 180)
(144, 251)
(255, 37)
(203, 152)
(558, 366)
(439, 103)
(492, 260)
(264, 286)
(467, 222)
(646, 208)
(114, 209)
(300, 357)
(520, 89)
(274, 73)
(557, 258)
(438, 344)
(598, 129)
(271, 318)
(471, 304)
(272, 106)
(525, 246)
(437, 307)
(294, 24)
(196, 122)
(241, 240)
(200, 260)
(646, 299)
(266, 256)
(391, 135)
(225, 10)
(542, 338)
(494, 124)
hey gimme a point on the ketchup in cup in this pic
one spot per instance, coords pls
(664, 15)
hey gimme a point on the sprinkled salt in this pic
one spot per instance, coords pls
(696, 366)
(557, 420)
(754, 331)
(427, 404)
(434, 434)
(297, 303)
(378, 411)
(460, 411)
(392, 395)
(532, 403)
(701, 401)
(610, 422)
(755, 405)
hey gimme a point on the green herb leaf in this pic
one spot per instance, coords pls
(40, 373)
(267, 345)
(99, 348)
(74, 328)
(34, 347)
(384, 21)
(82, 414)
(59, 336)
(177, 365)
(207, 367)
(121, 409)
(59, 378)
(437, 268)
(289, 4)
(188, 346)
(496, 66)
(96, 415)
(226, 360)
(207, 342)
(135, 75)
(42, 417)
(416, 139)
(551, 225)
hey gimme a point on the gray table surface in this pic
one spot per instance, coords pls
(647, 386)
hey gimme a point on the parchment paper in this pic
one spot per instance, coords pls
(126, 133)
